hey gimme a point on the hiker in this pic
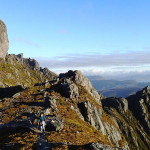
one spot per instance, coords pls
(42, 122)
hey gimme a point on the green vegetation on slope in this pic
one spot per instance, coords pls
(13, 73)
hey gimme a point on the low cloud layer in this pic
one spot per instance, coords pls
(97, 60)
(116, 66)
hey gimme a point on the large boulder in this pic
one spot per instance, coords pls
(54, 124)
(69, 89)
(4, 43)
(80, 79)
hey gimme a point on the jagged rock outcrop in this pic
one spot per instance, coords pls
(48, 73)
(26, 71)
(4, 43)
(32, 63)
(131, 116)
(54, 124)
(121, 104)
(80, 79)
(90, 113)
(12, 59)
(95, 118)
(68, 88)
(139, 104)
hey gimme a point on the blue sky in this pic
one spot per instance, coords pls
(61, 33)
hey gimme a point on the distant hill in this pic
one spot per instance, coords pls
(114, 88)
(120, 92)
(95, 78)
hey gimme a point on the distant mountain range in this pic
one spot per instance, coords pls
(114, 88)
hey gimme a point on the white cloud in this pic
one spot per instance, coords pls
(121, 66)
(110, 73)
(97, 60)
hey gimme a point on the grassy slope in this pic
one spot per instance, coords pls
(75, 132)
(17, 74)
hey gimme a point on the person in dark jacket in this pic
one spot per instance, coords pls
(42, 122)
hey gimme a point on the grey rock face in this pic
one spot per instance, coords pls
(98, 146)
(11, 58)
(69, 89)
(33, 64)
(132, 118)
(54, 124)
(112, 133)
(94, 117)
(20, 56)
(77, 111)
(120, 104)
(50, 103)
(48, 73)
(4, 43)
(91, 115)
(142, 102)
(79, 78)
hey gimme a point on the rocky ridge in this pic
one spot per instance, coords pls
(88, 109)
(27, 72)
(113, 118)
(86, 113)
